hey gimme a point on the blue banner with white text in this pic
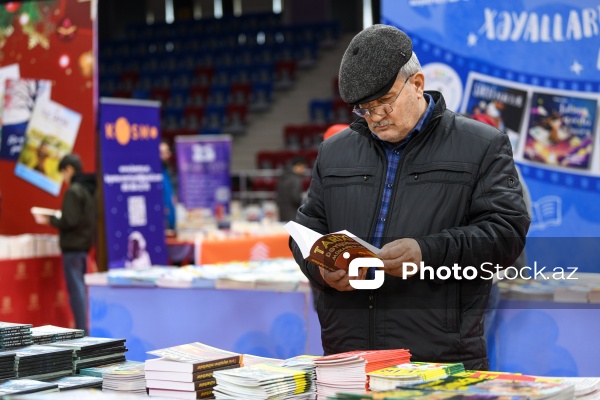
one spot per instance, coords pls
(532, 69)
(132, 183)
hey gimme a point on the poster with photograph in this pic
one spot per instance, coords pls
(560, 131)
(20, 97)
(497, 103)
(50, 135)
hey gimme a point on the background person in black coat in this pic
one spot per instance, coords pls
(77, 230)
(289, 190)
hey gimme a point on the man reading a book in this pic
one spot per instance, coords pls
(77, 231)
(425, 185)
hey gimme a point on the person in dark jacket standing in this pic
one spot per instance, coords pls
(428, 187)
(289, 189)
(77, 231)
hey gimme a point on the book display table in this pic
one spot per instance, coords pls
(531, 337)
(33, 291)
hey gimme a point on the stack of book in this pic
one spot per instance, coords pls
(23, 386)
(410, 373)
(123, 377)
(588, 388)
(187, 371)
(77, 382)
(594, 295)
(43, 362)
(572, 294)
(305, 363)
(189, 276)
(263, 381)
(14, 335)
(49, 334)
(93, 351)
(348, 371)
(7, 365)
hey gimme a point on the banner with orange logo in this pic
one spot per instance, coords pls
(132, 182)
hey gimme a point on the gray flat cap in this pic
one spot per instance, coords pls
(371, 63)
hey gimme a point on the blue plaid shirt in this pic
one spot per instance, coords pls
(393, 154)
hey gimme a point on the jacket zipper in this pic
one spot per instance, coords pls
(372, 231)
(410, 146)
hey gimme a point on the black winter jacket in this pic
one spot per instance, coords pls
(457, 193)
(77, 225)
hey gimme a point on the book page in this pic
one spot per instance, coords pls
(303, 236)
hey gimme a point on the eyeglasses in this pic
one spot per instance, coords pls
(381, 109)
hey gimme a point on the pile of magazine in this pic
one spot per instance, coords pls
(276, 274)
(476, 386)
(347, 372)
(43, 362)
(122, 377)
(263, 381)
(187, 371)
(23, 386)
(77, 382)
(49, 334)
(500, 387)
(79, 394)
(305, 363)
(14, 335)
(93, 351)
(404, 374)
(7, 365)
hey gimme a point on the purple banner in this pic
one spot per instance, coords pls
(132, 183)
(203, 163)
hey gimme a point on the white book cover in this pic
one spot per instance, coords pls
(162, 364)
(176, 394)
(186, 386)
(50, 135)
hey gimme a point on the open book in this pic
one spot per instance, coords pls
(46, 211)
(332, 251)
(41, 211)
